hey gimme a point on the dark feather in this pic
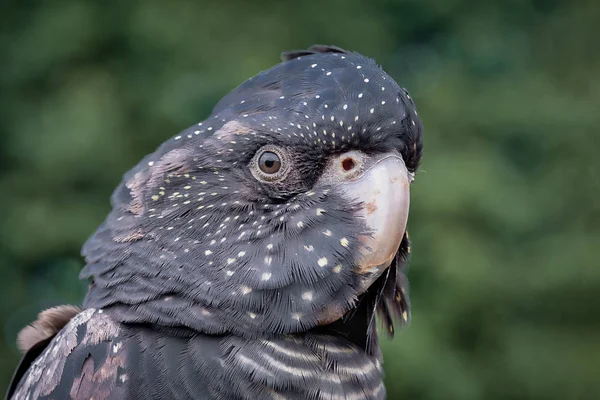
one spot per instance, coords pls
(315, 49)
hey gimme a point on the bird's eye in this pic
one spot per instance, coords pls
(269, 163)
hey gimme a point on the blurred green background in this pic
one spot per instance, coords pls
(505, 217)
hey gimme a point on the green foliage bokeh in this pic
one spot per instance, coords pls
(505, 209)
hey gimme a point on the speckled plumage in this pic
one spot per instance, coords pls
(215, 284)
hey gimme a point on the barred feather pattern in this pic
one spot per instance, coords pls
(93, 356)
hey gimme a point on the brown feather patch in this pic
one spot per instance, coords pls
(176, 161)
(135, 186)
(48, 324)
(231, 129)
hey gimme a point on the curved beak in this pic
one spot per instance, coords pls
(381, 185)
(384, 191)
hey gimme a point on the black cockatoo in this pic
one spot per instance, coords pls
(247, 257)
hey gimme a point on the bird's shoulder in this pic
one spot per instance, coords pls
(93, 355)
(86, 356)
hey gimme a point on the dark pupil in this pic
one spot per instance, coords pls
(269, 162)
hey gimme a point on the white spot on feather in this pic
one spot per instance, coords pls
(266, 276)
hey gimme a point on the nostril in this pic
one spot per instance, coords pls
(348, 164)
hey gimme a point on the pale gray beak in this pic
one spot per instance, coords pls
(382, 185)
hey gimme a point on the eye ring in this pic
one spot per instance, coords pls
(269, 164)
